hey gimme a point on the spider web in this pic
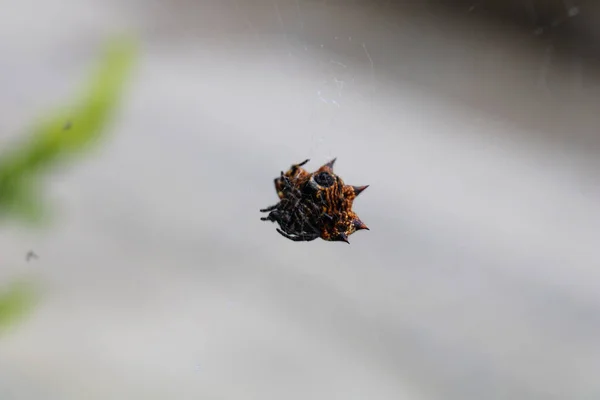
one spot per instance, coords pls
(309, 40)
(337, 82)
(287, 28)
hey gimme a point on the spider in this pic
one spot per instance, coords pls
(313, 205)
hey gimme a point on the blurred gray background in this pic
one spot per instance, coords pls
(476, 128)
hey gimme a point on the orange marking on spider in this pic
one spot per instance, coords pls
(314, 205)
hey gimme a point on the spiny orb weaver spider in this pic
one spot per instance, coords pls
(313, 205)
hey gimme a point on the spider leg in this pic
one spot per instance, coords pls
(329, 217)
(313, 228)
(271, 208)
(274, 216)
(301, 224)
(311, 237)
(303, 162)
(300, 238)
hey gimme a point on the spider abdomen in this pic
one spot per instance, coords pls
(313, 205)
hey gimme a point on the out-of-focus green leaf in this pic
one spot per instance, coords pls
(15, 301)
(51, 141)
(64, 132)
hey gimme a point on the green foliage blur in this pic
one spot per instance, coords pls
(15, 301)
(52, 141)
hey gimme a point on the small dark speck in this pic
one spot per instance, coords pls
(31, 255)
(68, 125)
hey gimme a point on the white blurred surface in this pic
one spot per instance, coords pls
(479, 276)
